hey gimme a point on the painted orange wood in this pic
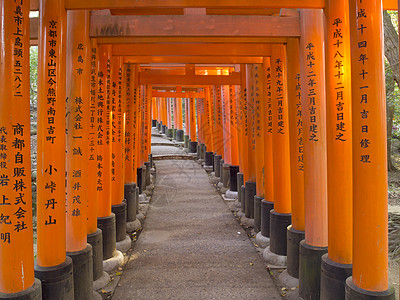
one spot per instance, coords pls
(16, 232)
(296, 134)
(51, 230)
(312, 63)
(339, 135)
(77, 128)
(370, 248)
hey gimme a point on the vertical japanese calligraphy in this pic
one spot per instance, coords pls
(77, 128)
(16, 233)
(370, 241)
(51, 102)
(280, 133)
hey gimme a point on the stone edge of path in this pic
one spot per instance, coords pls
(287, 292)
(115, 276)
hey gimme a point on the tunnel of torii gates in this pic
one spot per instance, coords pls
(289, 94)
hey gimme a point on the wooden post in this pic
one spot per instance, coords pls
(339, 145)
(77, 151)
(118, 148)
(105, 219)
(130, 134)
(295, 232)
(370, 229)
(226, 128)
(219, 138)
(16, 233)
(249, 144)
(312, 63)
(258, 78)
(233, 125)
(280, 216)
(209, 137)
(51, 218)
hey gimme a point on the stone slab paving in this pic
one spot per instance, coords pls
(191, 247)
(160, 140)
(166, 150)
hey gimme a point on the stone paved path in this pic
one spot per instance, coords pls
(191, 247)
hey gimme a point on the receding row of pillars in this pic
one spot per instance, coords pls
(306, 129)
(93, 155)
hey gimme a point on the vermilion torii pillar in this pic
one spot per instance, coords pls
(192, 125)
(77, 151)
(312, 63)
(16, 235)
(243, 141)
(226, 128)
(250, 182)
(370, 229)
(219, 135)
(268, 203)
(51, 218)
(295, 233)
(94, 234)
(280, 216)
(234, 148)
(187, 123)
(117, 151)
(336, 265)
(154, 112)
(105, 218)
(131, 137)
(259, 103)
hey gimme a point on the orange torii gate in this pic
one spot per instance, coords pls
(327, 118)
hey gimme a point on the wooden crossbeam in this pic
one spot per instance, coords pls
(189, 80)
(193, 59)
(191, 95)
(211, 4)
(191, 39)
(192, 49)
(194, 25)
(127, 4)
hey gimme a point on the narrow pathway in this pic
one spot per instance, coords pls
(191, 247)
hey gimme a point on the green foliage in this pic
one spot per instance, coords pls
(33, 74)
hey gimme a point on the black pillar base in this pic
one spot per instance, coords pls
(143, 183)
(310, 270)
(159, 126)
(243, 196)
(120, 221)
(186, 140)
(225, 175)
(83, 273)
(148, 167)
(209, 159)
(257, 213)
(233, 171)
(153, 123)
(221, 170)
(278, 229)
(333, 278)
(107, 226)
(266, 207)
(130, 198)
(239, 186)
(294, 237)
(203, 150)
(217, 162)
(193, 147)
(169, 133)
(249, 198)
(163, 129)
(139, 179)
(137, 200)
(33, 293)
(198, 150)
(150, 157)
(96, 241)
(179, 135)
(57, 281)
(355, 293)
(174, 133)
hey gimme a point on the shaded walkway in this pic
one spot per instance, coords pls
(191, 246)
